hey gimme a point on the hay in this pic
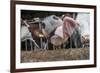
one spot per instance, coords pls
(55, 55)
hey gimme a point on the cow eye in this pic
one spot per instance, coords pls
(55, 17)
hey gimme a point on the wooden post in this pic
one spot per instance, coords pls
(70, 42)
(47, 43)
(26, 45)
(31, 45)
(41, 42)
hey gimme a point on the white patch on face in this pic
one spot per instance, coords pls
(59, 31)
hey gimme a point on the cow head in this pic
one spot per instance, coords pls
(51, 23)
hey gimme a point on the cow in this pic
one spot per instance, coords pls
(51, 23)
(62, 30)
(85, 41)
(72, 28)
(69, 33)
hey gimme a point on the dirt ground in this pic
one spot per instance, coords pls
(55, 55)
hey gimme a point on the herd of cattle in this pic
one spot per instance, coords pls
(53, 32)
